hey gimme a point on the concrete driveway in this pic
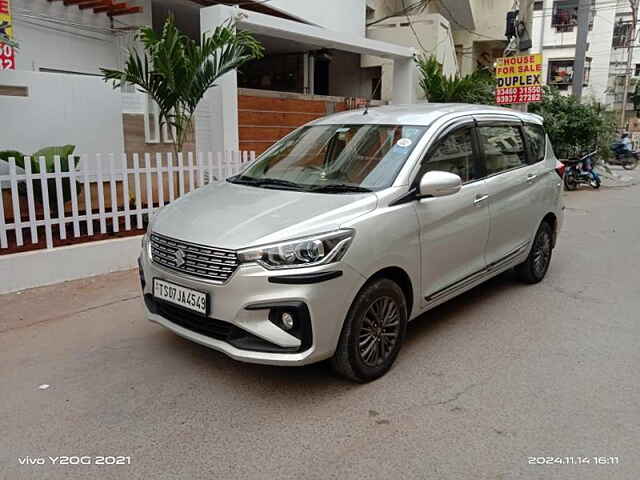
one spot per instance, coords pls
(504, 373)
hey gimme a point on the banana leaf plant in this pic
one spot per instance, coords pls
(49, 154)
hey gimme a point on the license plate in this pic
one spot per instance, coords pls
(181, 296)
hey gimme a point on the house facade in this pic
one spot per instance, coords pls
(320, 57)
(610, 28)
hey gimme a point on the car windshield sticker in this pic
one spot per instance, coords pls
(404, 142)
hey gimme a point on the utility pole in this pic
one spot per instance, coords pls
(521, 43)
(581, 47)
(631, 40)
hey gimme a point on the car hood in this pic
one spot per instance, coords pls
(235, 216)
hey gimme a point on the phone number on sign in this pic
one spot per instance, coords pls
(518, 95)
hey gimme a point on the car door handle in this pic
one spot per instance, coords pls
(480, 199)
(531, 177)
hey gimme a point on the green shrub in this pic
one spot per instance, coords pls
(575, 128)
(477, 87)
(49, 154)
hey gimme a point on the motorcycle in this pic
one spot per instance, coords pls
(626, 159)
(580, 172)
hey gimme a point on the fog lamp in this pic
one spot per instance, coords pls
(287, 320)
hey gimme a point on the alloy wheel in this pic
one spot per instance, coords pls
(542, 253)
(379, 332)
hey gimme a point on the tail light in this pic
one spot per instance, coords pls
(560, 168)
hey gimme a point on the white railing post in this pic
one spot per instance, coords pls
(147, 174)
(220, 170)
(101, 211)
(125, 191)
(115, 221)
(137, 189)
(180, 175)
(210, 167)
(170, 176)
(88, 209)
(62, 228)
(31, 204)
(191, 173)
(15, 200)
(45, 202)
(73, 186)
(3, 229)
(200, 162)
(160, 180)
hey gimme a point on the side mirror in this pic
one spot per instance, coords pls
(439, 184)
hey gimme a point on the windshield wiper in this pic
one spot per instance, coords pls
(265, 182)
(339, 188)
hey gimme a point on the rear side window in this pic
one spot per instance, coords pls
(503, 148)
(536, 138)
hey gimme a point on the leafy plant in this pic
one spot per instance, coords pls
(49, 154)
(575, 127)
(176, 72)
(478, 87)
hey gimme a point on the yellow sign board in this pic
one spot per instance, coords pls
(7, 52)
(518, 79)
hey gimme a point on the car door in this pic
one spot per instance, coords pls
(453, 229)
(513, 184)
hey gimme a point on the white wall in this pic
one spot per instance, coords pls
(62, 264)
(61, 109)
(338, 15)
(434, 32)
(52, 35)
(347, 79)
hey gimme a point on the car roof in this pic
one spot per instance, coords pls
(418, 114)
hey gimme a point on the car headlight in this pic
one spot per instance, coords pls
(301, 252)
(146, 244)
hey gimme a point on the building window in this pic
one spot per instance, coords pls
(621, 34)
(561, 73)
(637, 72)
(537, 6)
(565, 15)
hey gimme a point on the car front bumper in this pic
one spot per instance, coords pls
(244, 303)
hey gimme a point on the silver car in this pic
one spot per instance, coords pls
(351, 226)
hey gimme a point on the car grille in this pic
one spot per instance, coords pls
(197, 260)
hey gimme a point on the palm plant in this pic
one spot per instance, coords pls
(477, 87)
(176, 71)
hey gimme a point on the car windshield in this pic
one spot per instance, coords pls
(335, 158)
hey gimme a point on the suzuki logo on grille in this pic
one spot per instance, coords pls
(180, 258)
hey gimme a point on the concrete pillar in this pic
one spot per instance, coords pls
(222, 100)
(405, 81)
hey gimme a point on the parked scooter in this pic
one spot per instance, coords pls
(580, 171)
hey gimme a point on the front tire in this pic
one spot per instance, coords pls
(535, 267)
(372, 333)
(570, 182)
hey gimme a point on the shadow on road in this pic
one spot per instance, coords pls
(318, 380)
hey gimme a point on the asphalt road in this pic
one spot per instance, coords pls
(504, 373)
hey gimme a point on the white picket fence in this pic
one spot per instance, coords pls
(105, 172)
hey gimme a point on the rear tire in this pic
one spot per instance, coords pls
(535, 267)
(372, 333)
(631, 164)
